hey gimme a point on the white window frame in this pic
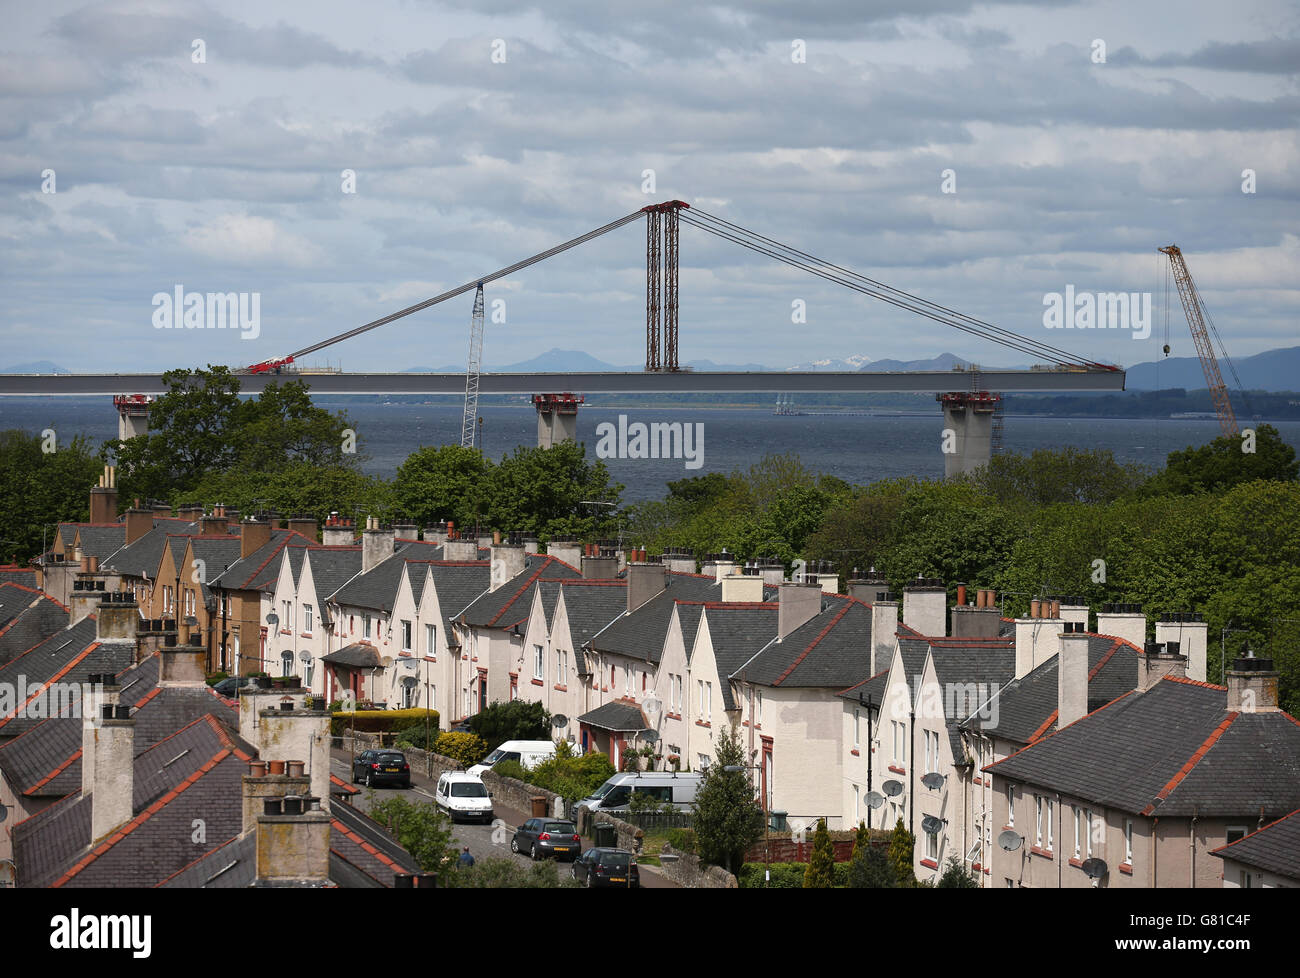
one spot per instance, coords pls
(708, 701)
(1128, 842)
(408, 633)
(1038, 821)
(430, 640)
(759, 694)
(1087, 828)
(857, 733)
(306, 618)
(365, 626)
(932, 846)
(539, 663)
(1011, 806)
(1078, 828)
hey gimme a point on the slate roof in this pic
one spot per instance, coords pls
(1173, 750)
(27, 618)
(377, 587)
(458, 584)
(591, 605)
(260, 569)
(142, 557)
(641, 635)
(737, 630)
(26, 576)
(359, 655)
(189, 775)
(510, 604)
(68, 656)
(217, 553)
(331, 568)
(982, 667)
(1275, 848)
(831, 649)
(100, 539)
(619, 716)
(1026, 708)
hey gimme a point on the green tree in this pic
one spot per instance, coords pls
(464, 748)
(506, 874)
(281, 427)
(544, 489)
(821, 866)
(956, 877)
(40, 488)
(422, 830)
(1066, 475)
(513, 720)
(447, 482)
(861, 839)
(901, 843)
(1227, 462)
(727, 818)
(299, 488)
(871, 869)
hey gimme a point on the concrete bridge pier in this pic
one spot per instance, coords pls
(557, 418)
(967, 441)
(132, 415)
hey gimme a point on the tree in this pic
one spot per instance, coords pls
(727, 818)
(956, 877)
(281, 427)
(422, 830)
(464, 748)
(515, 720)
(861, 839)
(1066, 475)
(820, 874)
(1229, 461)
(901, 843)
(447, 482)
(871, 869)
(543, 489)
(39, 488)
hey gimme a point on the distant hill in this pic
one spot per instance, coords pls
(1272, 370)
(36, 367)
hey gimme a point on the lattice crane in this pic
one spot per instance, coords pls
(469, 423)
(1197, 315)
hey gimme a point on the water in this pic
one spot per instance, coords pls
(855, 449)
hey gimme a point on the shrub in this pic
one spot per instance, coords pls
(377, 721)
(956, 877)
(422, 830)
(216, 677)
(821, 868)
(511, 769)
(871, 869)
(900, 854)
(682, 840)
(572, 777)
(414, 734)
(464, 748)
(513, 720)
(508, 874)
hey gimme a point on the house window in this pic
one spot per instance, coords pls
(1234, 832)
(627, 679)
(561, 677)
(465, 702)
(365, 626)
(702, 761)
(678, 681)
(1078, 830)
(613, 681)
(306, 618)
(1246, 883)
(430, 639)
(708, 701)
(286, 663)
(1011, 805)
(932, 846)
(431, 696)
(310, 670)
(539, 665)
(1128, 841)
(1038, 821)
(189, 601)
(406, 635)
(1047, 804)
(857, 723)
(1087, 828)
(759, 699)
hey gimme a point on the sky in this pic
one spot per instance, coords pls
(983, 156)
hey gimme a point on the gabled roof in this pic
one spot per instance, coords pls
(377, 588)
(100, 539)
(641, 634)
(27, 618)
(189, 775)
(832, 649)
(1174, 750)
(1026, 709)
(359, 655)
(331, 568)
(260, 570)
(1275, 848)
(142, 557)
(510, 604)
(981, 667)
(12, 574)
(737, 630)
(216, 552)
(458, 583)
(590, 605)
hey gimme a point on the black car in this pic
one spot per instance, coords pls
(375, 767)
(547, 837)
(229, 686)
(607, 867)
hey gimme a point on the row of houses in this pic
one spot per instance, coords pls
(1032, 750)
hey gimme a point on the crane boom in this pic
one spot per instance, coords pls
(468, 424)
(1194, 307)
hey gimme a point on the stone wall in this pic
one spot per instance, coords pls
(684, 868)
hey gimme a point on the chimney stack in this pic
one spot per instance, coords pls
(1252, 685)
(338, 531)
(436, 534)
(103, 497)
(1037, 640)
(645, 580)
(259, 786)
(507, 560)
(531, 546)
(117, 617)
(293, 842)
(100, 690)
(181, 665)
(1124, 621)
(1190, 634)
(406, 530)
(214, 525)
(254, 534)
(720, 565)
(1071, 677)
(283, 726)
(925, 606)
(742, 587)
(112, 743)
(377, 544)
(797, 604)
(565, 549)
(599, 564)
(306, 525)
(138, 522)
(1158, 661)
(679, 560)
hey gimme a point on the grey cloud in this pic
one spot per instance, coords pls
(1275, 56)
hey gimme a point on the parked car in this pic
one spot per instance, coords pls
(547, 837)
(529, 753)
(607, 867)
(375, 767)
(228, 686)
(666, 786)
(463, 796)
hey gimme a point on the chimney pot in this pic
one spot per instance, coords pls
(272, 806)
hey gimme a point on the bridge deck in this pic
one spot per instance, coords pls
(599, 383)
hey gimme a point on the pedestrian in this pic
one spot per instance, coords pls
(466, 859)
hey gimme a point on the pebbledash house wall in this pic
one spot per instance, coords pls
(1164, 848)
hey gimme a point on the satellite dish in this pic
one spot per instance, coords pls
(934, 780)
(875, 799)
(932, 824)
(892, 788)
(273, 619)
(1095, 868)
(4, 813)
(559, 721)
(304, 656)
(1009, 840)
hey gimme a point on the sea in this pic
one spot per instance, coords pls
(857, 448)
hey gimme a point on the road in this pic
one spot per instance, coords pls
(484, 841)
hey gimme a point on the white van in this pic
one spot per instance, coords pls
(615, 794)
(529, 753)
(463, 796)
